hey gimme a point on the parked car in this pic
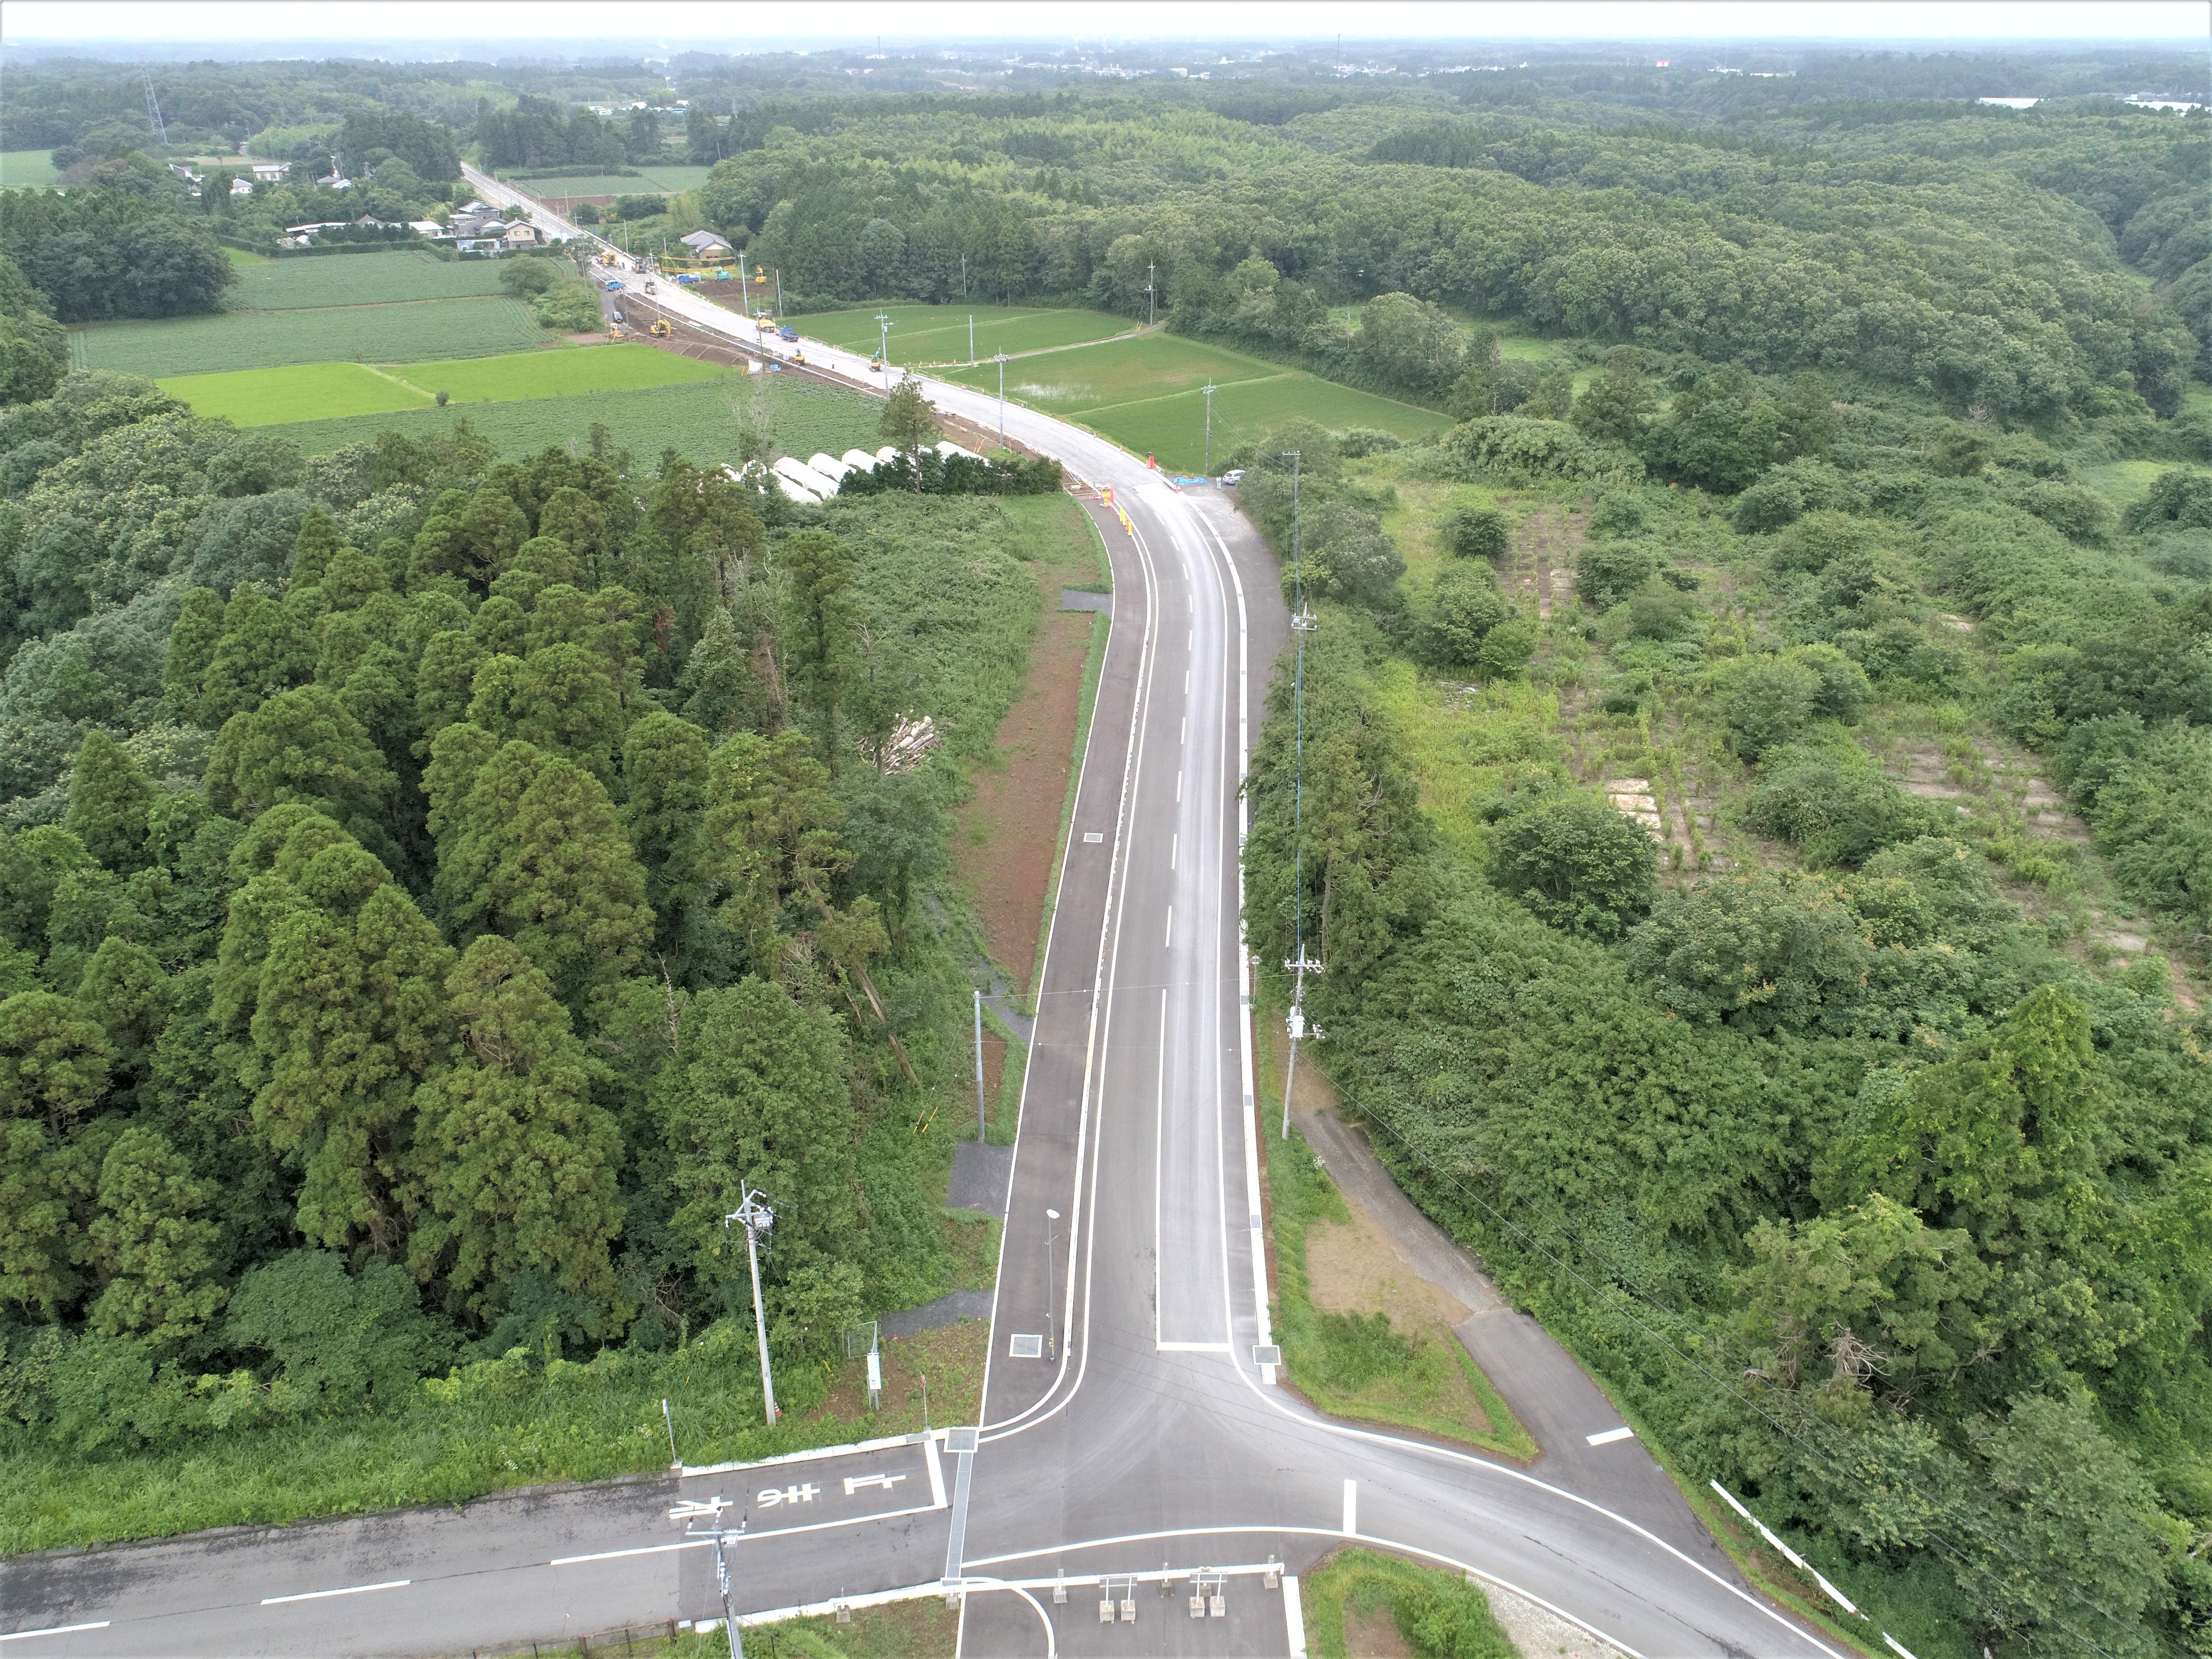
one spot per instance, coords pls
(786, 334)
(1234, 477)
(614, 287)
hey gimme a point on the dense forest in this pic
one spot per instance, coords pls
(430, 872)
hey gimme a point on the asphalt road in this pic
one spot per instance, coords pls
(1148, 1436)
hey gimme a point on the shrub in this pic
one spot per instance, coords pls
(1606, 573)
(1360, 440)
(1768, 700)
(1542, 449)
(1659, 610)
(1577, 865)
(1464, 606)
(1819, 540)
(1471, 530)
(1507, 648)
(1804, 485)
(1836, 809)
(2177, 497)
(1620, 514)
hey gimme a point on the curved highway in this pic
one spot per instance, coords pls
(1149, 1434)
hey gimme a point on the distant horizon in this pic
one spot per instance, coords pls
(565, 30)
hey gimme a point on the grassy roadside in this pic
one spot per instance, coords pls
(495, 1424)
(1361, 1601)
(1094, 662)
(1360, 1364)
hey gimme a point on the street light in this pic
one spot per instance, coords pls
(711, 1511)
(1051, 1335)
(756, 1215)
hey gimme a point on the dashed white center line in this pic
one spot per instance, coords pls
(1170, 940)
(1183, 731)
(1178, 783)
(1608, 1436)
(350, 1589)
(1174, 850)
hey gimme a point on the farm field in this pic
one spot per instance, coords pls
(939, 334)
(699, 420)
(19, 167)
(676, 175)
(305, 392)
(555, 189)
(360, 279)
(414, 330)
(1173, 428)
(1144, 394)
(310, 392)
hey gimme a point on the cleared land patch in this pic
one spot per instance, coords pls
(411, 332)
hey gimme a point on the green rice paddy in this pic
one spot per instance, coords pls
(314, 392)
(360, 279)
(22, 167)
(414, 330)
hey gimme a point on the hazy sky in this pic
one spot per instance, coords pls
(537, 26)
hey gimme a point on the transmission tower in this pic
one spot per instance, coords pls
(154, 106)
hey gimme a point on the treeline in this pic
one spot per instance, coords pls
(538, 132)
(97, 253)
(434, 885)
(1673, 245)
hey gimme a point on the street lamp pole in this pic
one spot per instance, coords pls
(1208, 389)
(1149, 317)
(1051, 1331)
(756, 1215)
(1002, 400)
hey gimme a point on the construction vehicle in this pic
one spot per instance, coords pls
(786, 334)
(661, 327)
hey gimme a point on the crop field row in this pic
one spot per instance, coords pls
(699, 421)
(329, 391)
(939, 334)
(360, 279)
(416, 331)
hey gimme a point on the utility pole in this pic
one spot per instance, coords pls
(971, 338)
(1051, 1332)
(711, 1512)
(1302, 623)
(756, 1214)
(779, 293)
(1002, 400)
(982, 1125)
(1148, 294)
(884, 351)
(1208, 389)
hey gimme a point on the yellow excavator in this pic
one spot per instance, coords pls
(661, 329)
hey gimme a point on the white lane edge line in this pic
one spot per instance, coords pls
(617, 1555)
(350, 1589)
(1609, 1436)
(51, 1630)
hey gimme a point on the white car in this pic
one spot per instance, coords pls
(1231, 478)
